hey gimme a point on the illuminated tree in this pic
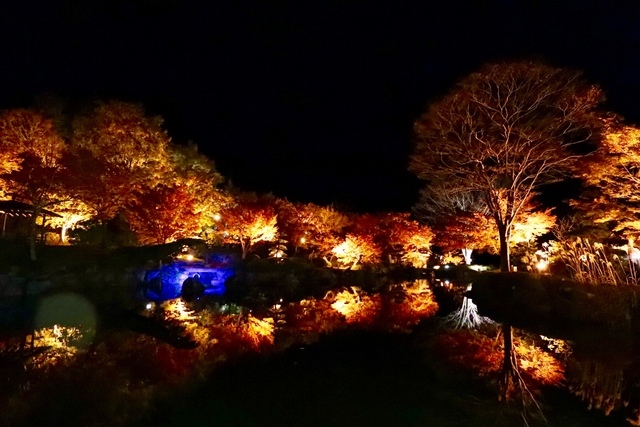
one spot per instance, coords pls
(503, 132)
(31, 162)
(295, 222)
(316, 228)
(118, 151)
(325, 229)
(417, 245)
(163, 214)
(72, 211)
(357, 249)
(249, 221)
(459, 220)
(400, 239)
(532, 224)
(466, 231)
(612, 175)
(197, 176)
(407, 241)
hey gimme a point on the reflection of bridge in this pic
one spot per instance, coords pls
(166, 282)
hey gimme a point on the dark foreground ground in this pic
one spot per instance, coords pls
(355, 379)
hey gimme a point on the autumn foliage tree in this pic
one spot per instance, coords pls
(466, 232)
(163, 214)
(294, 222)
(323, 228)
(404, 239)
(72, 211)
(249, 220)
(504, 131)
(400, 238)
(459, 220)
(356, 249)
(118, 151)
(612, 177)
(32, 162)
(198, 179)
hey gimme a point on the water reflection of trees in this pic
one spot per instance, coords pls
(517, 364)
(607, 385)
(601, 386)
(601, 366)
(466, 316)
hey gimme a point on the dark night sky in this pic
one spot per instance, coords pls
(312, 100)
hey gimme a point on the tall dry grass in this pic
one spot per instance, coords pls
(594, 263)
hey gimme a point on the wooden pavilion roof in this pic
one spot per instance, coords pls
(15, 208)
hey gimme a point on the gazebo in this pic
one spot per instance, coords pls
(15, 208)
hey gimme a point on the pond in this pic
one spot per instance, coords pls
(349, 375)
(354, 379)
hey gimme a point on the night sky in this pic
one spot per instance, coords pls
(310, 100)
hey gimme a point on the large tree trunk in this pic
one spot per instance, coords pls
(33, 232)
(466, 253)
(245, 248)
(63, 234)
(509, 364)
(505, 262)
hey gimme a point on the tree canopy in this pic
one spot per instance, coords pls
(504, 131)
(612, 176)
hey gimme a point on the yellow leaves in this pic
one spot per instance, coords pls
(264, 228)
(531, 225)
(178, 310)
(249, 222)
(60, 340)
(355, 249)
(261, 330)
(613, 174)
(539, 365)
(350, 303)
(483, 355)
(26, 131)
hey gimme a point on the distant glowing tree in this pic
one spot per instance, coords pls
(355, 250)
(249, 221)
(470, 231)
(118, 151)
(460, 221)
(400, 238)
(417, 246)
(326, 229)
(197, 176)
(72, 211)
(295, 222)
(408, 239)
(163, 214)
(31, 162)
(466, 231)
